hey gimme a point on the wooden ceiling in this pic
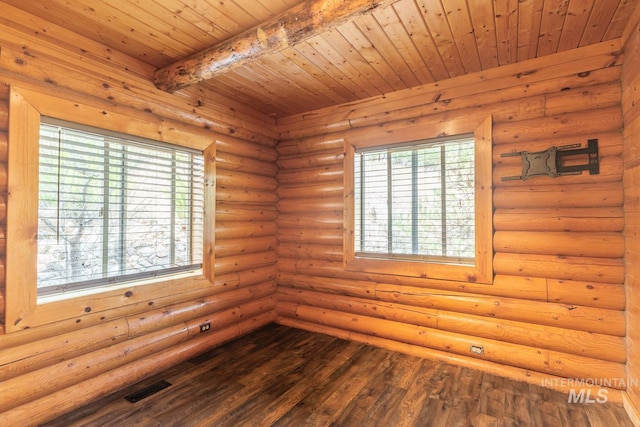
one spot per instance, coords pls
(408, 43)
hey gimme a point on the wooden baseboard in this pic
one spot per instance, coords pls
(632, 411)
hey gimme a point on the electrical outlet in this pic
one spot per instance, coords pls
(205, 327)
(477, 349)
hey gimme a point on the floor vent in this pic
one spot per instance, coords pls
(146, 392)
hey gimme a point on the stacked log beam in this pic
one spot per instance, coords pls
(556, 304)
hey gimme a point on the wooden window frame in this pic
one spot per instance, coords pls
(23, 309)
(482, 270)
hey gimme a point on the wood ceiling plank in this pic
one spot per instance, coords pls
(219, 89)
(370, 51)
(357, 61)
(553, 16)
(334, 90)
(255, 9)
(280, 86)
(269, 86)
(275, 6)
(371, 28)
(253, 94)
(263, 10)
(506, 15)
(161, 21)
(305, 86)
(329, 70)
(210, 16)
(436, 20)
(331, 52)
(186, 15)
(484, 26)
(618, 23)
(240, 17)
(132, 20)
(529, 19)
(459, 19)
(574, 24)
(601, 15)
(411, 18)
(388, 19)
(77, 20)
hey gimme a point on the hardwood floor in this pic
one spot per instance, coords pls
(288, 377)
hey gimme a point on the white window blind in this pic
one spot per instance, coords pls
(416, 201)
(114, 208)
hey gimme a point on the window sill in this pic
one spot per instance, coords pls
(81, 293)
(419, 269)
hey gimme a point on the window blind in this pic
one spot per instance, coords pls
(114, 208)
(416, 201)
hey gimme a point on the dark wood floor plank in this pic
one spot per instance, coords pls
(279, 376)
(269, 405)
(440, 384)
(370, 394)
(314, 373)
(382, 411)
(350, 383)
(410, 408)
(254, 382)
(464, 399)
(435, 412)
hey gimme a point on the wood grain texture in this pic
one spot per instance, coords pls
(281, 376)
(631, 112)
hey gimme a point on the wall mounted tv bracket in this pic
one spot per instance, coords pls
(550, 161)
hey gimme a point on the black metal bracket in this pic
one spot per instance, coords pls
(550, 161)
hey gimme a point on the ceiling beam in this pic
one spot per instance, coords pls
(297, 24)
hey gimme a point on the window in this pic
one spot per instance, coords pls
(102, 188)
(420, 208)
(416, 201)
(114, 208)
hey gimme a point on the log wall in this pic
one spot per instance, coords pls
(51, 369)
(556, 304)
(631, 111)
